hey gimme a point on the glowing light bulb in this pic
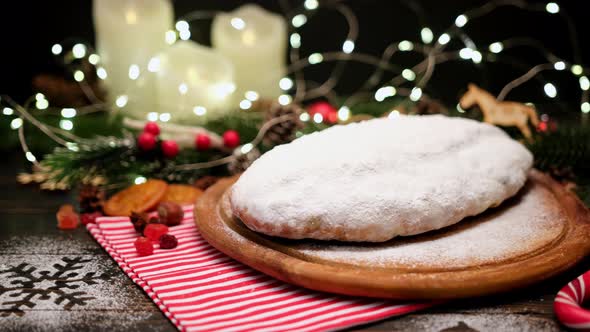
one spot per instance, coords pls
(295, 40)
(461, 20)
(183, 88)
(496, 47)
(66, 124)
(79, 51)
(152, 116)
(245, 104)
(184, 34)
(170, 37)
(405, 45)
(584, 83)
(304, 117)
(552, 8)
(246, 148)
(408, 74)
(344, 113)
(550, 90)
(237, 23)
(133, 72)
(460, 109)
(7, 111)
(121, 101)
(78, 76)
(42, 104)
(426, 35)
(165, 117)
(416, 94)
(393, 114)
(68, 112)
(585, 107)
(181, 25)
(154, 65)
(285, 83)
(385, 92)
(56, 49)
(16, 123)
(559, 65)
(94, 59)
(466, 53)
(315, 58)
(476, 57)
(199, 110)
(140, 180)
(444, 39)
(577, 70)
(311, 4)
(299, 20)
(318, 118)
(284, 100)
(30, 156)
(101, 73)
(348, 46)
(251, 95)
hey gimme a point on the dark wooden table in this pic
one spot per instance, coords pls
(66, 282)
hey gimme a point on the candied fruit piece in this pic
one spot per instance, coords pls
(154, 231)
(144, 246)
(168, 241)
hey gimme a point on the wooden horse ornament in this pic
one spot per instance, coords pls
(503, 113)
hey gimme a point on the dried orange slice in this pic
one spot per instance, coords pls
(182, 194)
(138, 198)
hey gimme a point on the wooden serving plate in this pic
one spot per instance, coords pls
(541, 232)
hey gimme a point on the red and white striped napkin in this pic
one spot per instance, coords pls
(201, 289)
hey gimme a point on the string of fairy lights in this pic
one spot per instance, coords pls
(411, 83)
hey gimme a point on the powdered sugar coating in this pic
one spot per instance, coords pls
(532, 222)
(374, 180)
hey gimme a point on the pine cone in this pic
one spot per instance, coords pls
(91, 199)
(283, 132)
(242, 160)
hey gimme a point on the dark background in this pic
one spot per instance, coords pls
(29, 28)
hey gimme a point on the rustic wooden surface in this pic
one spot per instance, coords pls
(28, 235)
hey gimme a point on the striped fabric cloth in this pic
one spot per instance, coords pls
(201, 289)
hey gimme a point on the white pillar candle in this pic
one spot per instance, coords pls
(193, 82)
(128, 34)
(255, 41)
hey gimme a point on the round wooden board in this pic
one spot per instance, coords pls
(284, 259)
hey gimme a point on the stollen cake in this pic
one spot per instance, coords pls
(382, 178)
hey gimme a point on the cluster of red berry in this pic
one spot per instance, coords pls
(155, 229)
(147, 140)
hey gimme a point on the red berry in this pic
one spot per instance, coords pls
(152, 128)
(67, 218)
(168, 241)
(90, 218)
(154, 231)
(332, 117)
(323, 108)
(146, 141)
(231, 139)
(144, 246)
(202, 142)
(169, 148)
